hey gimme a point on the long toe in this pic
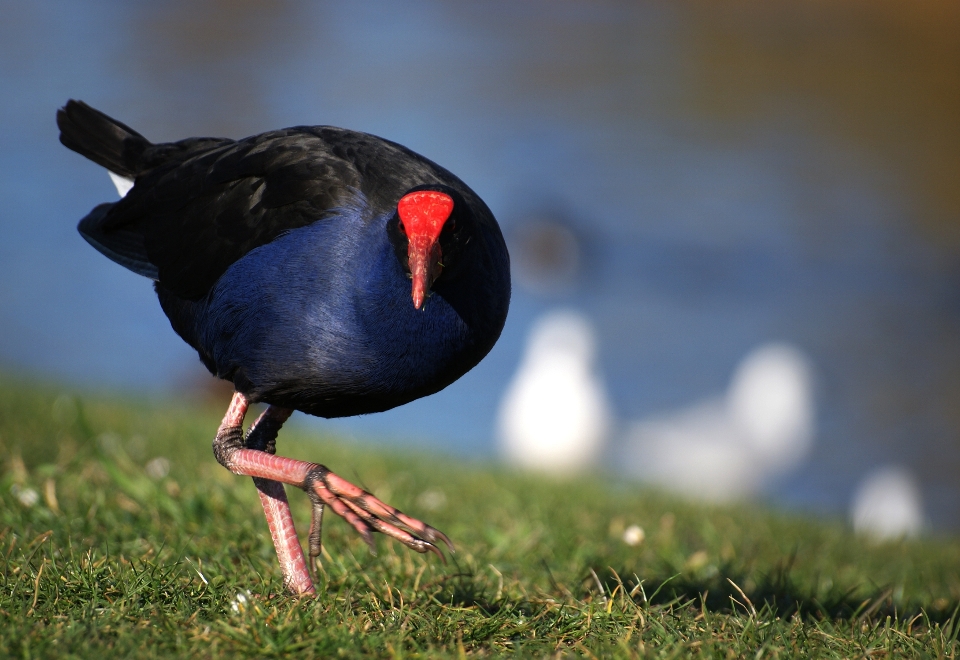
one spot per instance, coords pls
(366, 513)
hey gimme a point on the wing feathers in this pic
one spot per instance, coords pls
(199, 205)
(124, 246)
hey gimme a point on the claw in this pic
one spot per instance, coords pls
(433, 534)
(434, 549)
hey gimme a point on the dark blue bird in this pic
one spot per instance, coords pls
(318, 269)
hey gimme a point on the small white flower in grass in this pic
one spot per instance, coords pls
(634, 535)
(28, 497)
(240, 601)
(157, 468)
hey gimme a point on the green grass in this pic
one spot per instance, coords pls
(111, 562)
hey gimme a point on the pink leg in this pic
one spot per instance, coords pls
(255, 457)
(276, 508)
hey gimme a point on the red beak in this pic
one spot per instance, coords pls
(422, 217)
(424, 259)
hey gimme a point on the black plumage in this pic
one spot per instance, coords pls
(203, 203)
(325, 200)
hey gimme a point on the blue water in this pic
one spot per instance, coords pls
(700, 241)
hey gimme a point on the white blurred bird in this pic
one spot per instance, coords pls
(888, 505)
(554, 415)
(731, 446)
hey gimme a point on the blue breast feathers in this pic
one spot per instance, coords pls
(321, 319)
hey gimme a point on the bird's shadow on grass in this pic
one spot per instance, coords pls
(779, 592)
(465, 588)
(728, 589)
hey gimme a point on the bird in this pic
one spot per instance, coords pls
(731, 446)
(318, 269)
(548, 252)
(888, 505)
(554, 415)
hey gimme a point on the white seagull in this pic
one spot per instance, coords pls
(731, 446)
(888, 505)
(554, 416)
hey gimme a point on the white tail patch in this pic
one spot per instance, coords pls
(122, 183)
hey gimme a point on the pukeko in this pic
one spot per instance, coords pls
(316, 268)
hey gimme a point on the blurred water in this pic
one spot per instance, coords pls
(717, 206)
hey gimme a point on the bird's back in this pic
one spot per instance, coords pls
(201, 204)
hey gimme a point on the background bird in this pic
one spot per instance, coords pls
(317, 269)
(554, 415)
(888, 504)
(731, 446)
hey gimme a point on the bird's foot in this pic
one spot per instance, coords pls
(361, 509)
(366, 514)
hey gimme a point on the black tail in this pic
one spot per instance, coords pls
(103, 140)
